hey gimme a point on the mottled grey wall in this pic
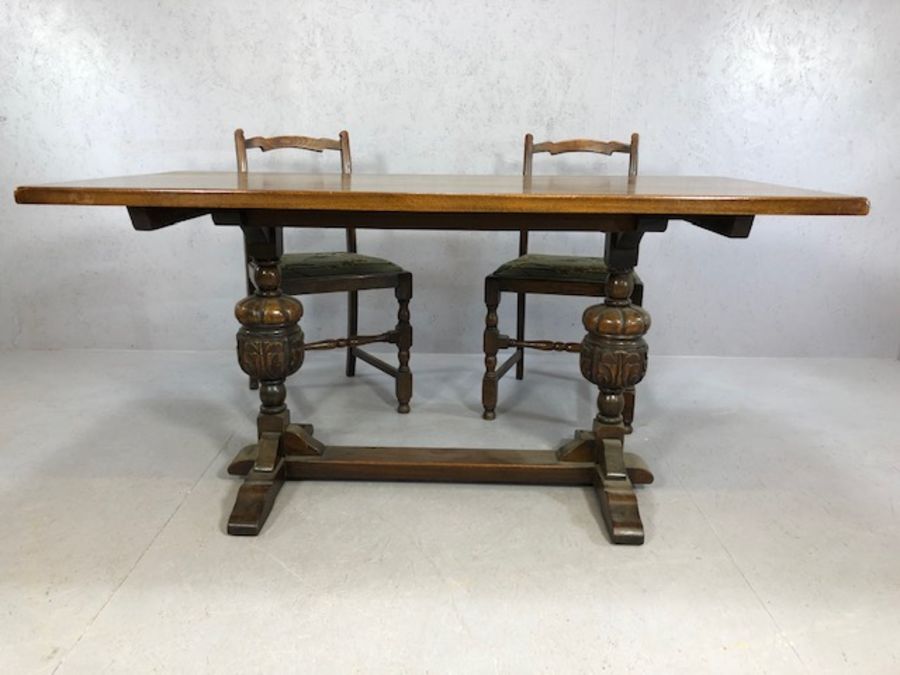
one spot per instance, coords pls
(802, 93)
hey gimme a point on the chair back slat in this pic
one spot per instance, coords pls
(266, 143)
(582, 145)
(299, 142)
(575, 145)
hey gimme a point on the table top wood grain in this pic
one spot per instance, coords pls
(427, 193)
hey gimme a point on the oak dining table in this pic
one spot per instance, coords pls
(270, 343)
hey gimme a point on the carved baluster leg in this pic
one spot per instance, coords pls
(404, 344)
(270, 347)
(614, 357)
(491, 347)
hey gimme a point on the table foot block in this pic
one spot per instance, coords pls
(254, 501)
(619, 506)
(243, 461)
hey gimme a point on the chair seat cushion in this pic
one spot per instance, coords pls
(333, 264)
(554, 267)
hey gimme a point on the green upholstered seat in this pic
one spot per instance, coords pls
(552, 267)
(333, 264)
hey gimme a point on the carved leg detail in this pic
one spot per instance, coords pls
(270, 347)
(404, 344)
(491, 347)
(614, 357)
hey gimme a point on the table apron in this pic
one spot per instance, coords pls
(388, 220)
(155, 218)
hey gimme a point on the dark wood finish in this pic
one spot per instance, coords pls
(674, 196)
(270, 347)
(337, 284)
(349, 283)
(491, 345)
(146, 220)
(465, 465)
(555, 284)
(403, 378)
(583, 448)
(405, 220)
(254, 501)
(612, 355)
(734, 227)
(440, 464)
(545, 345)
(356, 341)
(374, 361)
(297, 439)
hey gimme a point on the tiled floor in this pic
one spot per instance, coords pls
(773, 537)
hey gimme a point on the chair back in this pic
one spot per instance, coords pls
(575, 145)
(266, 143)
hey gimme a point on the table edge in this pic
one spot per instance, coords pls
(827, 204)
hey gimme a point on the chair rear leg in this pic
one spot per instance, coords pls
(251, 289)
(628, 412)
(352, 329)
(637, 298)
(520, 334)
(404, 381)
(491, 347)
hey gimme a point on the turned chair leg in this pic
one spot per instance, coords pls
(403, 293)
(520, 335)
(352, 329)
(491, 347)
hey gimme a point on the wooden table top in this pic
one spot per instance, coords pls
(672, 195)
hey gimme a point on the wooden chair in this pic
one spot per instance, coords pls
(546, 274)
(342, 271)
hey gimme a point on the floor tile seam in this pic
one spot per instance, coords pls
(781, 632)
(143, 553)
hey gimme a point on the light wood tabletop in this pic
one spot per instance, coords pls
(670, 195)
